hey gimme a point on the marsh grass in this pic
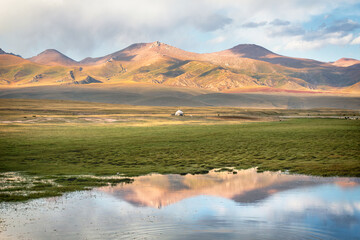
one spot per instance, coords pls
(24, 187)
(325, 147)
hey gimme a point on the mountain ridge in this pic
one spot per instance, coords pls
(244, 66)
(3, 52)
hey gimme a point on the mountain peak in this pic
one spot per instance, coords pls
(140, 45)
(157, 44)
(51, 51)
(248, 45)
(346, 62)
(53, 57)
(134, 46)
(143, 51)
(251, 51)
(160, 45)
(3, 52)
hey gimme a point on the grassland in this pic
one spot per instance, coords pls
(57, 146)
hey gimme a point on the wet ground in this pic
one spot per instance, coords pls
(219, 205)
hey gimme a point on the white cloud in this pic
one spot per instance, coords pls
(82, 28)
(299, 43)
(337, 39)
(217, 40)
(355, 41)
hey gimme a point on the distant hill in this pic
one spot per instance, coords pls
(346, 62)
(53, 57)
(3, 52)
(253, 51)
(245, 67)
(142, 52)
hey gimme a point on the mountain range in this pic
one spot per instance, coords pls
(243, 68)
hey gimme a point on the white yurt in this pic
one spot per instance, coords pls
(179, 113)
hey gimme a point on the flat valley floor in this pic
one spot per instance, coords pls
(49, 147)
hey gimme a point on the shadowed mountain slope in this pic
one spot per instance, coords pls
(152, 95)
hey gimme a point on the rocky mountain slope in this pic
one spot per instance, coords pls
(245, 66)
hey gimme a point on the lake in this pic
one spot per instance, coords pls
(220, 205)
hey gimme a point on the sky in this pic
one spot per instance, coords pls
(324, 30)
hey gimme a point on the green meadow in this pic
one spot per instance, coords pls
(55, 157)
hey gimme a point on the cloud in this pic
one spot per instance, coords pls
(355, 41)
(303, 45)
(339, 28)
(212, 22)
(279, 22)
(96, 28)
(254, 24)
(89, 29)
(331, 39)
(344, 26)
(217, 40)
(339, 33)
(287, 31)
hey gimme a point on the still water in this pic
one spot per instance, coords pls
(246, 205)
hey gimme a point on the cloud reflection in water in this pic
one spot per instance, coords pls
(246, 205)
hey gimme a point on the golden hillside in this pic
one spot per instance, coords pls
(241, 68)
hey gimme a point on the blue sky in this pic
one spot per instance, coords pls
(325, 30)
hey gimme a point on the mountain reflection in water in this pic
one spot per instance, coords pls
(246, 186)
(218, 205)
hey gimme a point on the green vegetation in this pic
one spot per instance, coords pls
(28, 187)
(311, 146)
(60, 157)
(27, 71)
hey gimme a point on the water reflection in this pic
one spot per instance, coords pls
(245, 186)
(246, 205)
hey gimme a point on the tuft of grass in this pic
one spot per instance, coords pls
(54, 186)
(224, 169)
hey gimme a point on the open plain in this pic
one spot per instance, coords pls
(49, 147)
